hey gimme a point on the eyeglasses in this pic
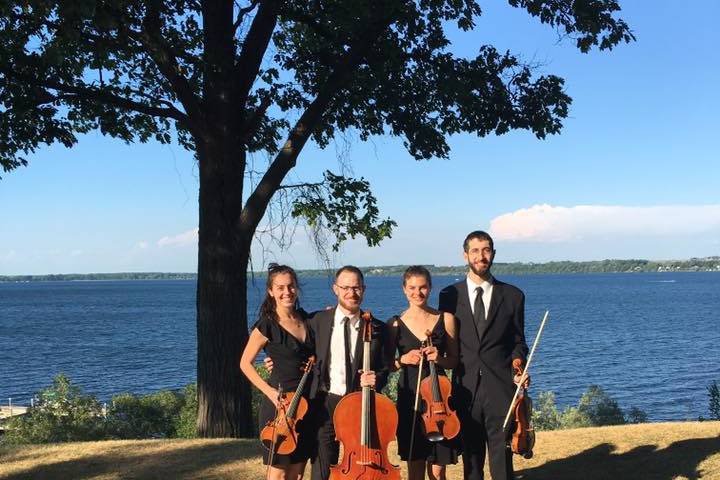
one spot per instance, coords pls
(348, 288)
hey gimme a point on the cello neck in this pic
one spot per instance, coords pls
(367, 392)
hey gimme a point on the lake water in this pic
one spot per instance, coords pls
(650, 340)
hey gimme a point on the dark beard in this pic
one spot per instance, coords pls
(478, 272)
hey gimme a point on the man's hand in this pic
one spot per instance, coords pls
(367, 379)
(268, 364)
(526, 383)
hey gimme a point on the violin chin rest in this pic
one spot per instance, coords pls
(435, 437)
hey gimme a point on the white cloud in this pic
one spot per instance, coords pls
(184, 239)
(76, 253)
(142, 245)
(547, 223)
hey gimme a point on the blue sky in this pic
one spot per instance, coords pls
(633, 174)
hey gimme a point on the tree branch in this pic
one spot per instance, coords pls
(86, 92)
(300, 185)
(253, 49)
(244, 11)
(286, 159)
(162, 53)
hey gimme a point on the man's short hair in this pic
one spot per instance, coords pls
(351, 269)
(479, 235)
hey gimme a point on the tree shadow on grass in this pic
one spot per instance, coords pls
(645, 462)
(127, 463)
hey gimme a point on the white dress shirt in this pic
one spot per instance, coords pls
(336, 366)
(487, 287)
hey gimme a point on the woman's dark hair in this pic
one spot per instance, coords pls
(417, 271)
(267, 308)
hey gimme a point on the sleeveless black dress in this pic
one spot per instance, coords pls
(437, 453)
(289, 355)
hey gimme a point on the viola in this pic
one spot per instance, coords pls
(523, 436)
(280, 434)
(365, 423)
(439, 419)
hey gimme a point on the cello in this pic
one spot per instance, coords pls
(439, 419)
(280, 434)
(365, 422)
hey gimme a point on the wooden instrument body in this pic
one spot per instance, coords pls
(280, 434)
(439, 419)
(365, 458)
(522, 440)
(365, 423)
(283, 426)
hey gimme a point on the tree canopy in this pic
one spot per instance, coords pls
(225, 79)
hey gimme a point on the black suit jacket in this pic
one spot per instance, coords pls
(321, 323)
(487, 349)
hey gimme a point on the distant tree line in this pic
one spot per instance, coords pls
(708, 264)
(65, 277)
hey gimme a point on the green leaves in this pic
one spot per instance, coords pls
(346, 207)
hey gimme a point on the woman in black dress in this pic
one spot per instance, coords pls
(282, 331)
(407, 332)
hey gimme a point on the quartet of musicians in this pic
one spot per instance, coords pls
(477, 331)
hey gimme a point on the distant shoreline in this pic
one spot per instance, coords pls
(707, 264)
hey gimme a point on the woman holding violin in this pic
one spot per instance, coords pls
(283, 333)
(423, 335)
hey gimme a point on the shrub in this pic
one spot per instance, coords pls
(148, 416)
(573, 417)
(600, 408)
(545, 414)
(61, 414)
(186, 422)
(714, 400)
(635, 415)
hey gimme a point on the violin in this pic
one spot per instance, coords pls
(365, 423)
(523, 436)
(280, 434)
(522, 439)
(439, 419)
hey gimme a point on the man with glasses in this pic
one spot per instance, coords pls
(339, 352)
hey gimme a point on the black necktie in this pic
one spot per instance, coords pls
(479, 307)
(348, 361)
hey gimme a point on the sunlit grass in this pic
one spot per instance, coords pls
(655, 451)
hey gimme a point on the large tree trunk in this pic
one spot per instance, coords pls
(224, 395)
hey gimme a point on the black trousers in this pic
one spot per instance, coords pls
(322, 408)
(482, 427)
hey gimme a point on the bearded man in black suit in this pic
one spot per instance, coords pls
(491, 334)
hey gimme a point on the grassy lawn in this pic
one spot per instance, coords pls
(655, 451)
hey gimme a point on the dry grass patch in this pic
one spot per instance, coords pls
(655, 451)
